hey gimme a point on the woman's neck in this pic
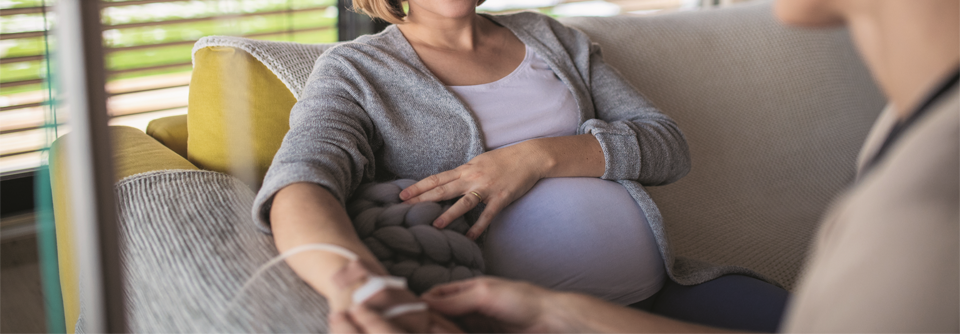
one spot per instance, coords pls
(448, 32)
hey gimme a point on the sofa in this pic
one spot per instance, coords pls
(774, 117)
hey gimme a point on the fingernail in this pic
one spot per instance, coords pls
(438, 223)
(404, 195)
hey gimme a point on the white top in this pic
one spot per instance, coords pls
(531, 102)
(578, 234)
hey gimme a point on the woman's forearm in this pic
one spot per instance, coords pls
(305, 213)
(570, 156)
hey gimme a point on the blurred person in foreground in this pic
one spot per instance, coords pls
(886, 258)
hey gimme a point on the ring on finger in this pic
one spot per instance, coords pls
(474, 193)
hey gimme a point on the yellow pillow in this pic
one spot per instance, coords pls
(171, 131)
(238, 113)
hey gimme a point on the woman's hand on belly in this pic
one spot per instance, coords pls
(501, 176)
(496, 178)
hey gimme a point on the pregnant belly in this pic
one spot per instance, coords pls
(577, 234)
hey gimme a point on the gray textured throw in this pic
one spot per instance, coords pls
(189, 245)
(401, 237)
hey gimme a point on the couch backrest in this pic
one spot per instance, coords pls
(774, 117)
(291, 62)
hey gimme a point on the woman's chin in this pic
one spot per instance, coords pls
(455, 14)
(446, 10)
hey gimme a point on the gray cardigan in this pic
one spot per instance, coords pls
(371, 111)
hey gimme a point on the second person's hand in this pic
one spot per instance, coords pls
(488, 304)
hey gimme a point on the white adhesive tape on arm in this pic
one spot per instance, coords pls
(402, 309)
(376, 284)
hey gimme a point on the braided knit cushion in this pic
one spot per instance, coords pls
(402, 238)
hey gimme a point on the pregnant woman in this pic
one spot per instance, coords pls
(517, 112)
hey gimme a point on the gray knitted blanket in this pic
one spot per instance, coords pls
(189, 245)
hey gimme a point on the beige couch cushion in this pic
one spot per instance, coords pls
(774, 117)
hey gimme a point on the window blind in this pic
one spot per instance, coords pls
(147, 44)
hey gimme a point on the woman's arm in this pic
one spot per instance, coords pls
(305, 213)
(323, 157)
(570, 156)
(639, 142)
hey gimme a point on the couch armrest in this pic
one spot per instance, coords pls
(134, 152)
(171, 132)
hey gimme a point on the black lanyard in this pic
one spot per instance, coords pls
(949, 84)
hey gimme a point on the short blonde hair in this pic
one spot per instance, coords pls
(387, 10)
